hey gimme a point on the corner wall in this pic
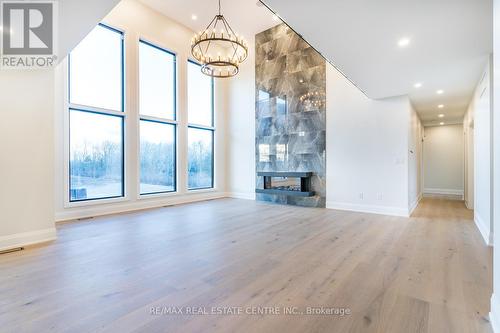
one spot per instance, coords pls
(478, 122)
(241, 130)
(26, 168)
(468, 129)
(495, 299)
(415, 155)
(367, 149)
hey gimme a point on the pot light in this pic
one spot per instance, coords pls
(441, 123)
(418, 85)
(441, 115)
(440, 106)
(440, 92)
(403, 42)
(194, 17)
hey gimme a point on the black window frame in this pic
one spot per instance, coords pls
(96, 110)
(160, 120)
(175, 157)
(122, 148)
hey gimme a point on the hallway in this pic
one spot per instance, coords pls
(428, 273)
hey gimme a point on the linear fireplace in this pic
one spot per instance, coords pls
(286, 183)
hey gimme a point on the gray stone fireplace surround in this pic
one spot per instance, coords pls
(290, 101)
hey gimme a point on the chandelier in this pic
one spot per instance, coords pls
(218, 49)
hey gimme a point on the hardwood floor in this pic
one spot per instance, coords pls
(428, 273)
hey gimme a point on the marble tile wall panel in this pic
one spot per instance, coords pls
(290, 113)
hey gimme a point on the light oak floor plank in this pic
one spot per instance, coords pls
(428, 273)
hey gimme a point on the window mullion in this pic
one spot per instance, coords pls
(96, 110)
(210, 128)
(159, 120)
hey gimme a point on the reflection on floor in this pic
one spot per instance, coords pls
(124, 273)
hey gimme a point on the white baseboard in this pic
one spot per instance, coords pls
(444, 191)
(130, 206)
(483, 228)
(414, 205)
(241, 195)
(495, 314)
(383, 210)
(27, 238)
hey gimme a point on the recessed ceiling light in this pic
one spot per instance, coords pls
(403, 42)
(194, 17)
(440, 92)
(440, 106)
(418, 85)
(276, 17)
(441, 123)
(441, 115)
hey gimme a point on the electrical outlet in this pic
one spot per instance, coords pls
(361, 195)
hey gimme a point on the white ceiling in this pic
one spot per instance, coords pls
(247, 17)
(450, 41)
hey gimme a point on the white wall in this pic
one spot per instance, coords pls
(444, 160)
(495, 302)
(241, 129)
(26, 167)
(414, 160)
(139, 21)
(479, 118)
(77, 18)
(367, 149)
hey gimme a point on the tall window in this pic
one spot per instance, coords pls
(157, 76)
(200, 129)
(96, 116)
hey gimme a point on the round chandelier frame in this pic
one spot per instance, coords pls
(208, 46)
